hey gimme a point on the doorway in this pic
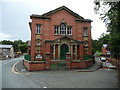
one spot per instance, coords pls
(63, 50)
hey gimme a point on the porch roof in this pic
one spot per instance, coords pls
(62, 37)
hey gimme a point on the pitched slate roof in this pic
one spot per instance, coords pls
(5, 46)
(105, 45)
(46, 15)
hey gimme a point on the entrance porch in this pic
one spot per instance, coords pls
(58, 48)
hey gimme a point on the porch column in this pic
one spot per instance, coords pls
(71, 51)
(75, 51)
(58, 51)
(81, 49)
(53, 51)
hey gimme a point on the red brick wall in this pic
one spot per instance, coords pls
(34, 66)
(76, 65)
(103, 51)
(42, 66)
(26, 64)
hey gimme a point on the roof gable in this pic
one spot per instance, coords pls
(62, 8)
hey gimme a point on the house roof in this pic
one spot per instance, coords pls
(5, 46)
(63, 8)
(47, 15)
(105, 45)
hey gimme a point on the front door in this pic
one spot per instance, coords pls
(63, 50)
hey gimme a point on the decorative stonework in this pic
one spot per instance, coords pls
(85, 38)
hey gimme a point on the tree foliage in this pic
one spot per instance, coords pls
(97, 44)
(18, 45)
(110, 14)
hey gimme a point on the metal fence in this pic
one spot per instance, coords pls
(87, 57)
(27, 57)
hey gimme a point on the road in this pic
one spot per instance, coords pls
(103, 78)
(12, 80)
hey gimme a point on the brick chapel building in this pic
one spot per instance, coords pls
(60, 32)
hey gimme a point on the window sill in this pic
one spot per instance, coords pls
(86, 47)
(38, 45)
(85, 36)
(62, 35)
(38, 34)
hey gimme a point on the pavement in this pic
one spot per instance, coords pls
(94, 67)
(19, 67)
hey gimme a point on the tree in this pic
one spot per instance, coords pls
(17, 45)
(111, 17)
(6, 42)
(97, 44)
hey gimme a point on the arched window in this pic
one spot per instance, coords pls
(63, 28)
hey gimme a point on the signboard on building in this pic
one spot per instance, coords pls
(38, 56)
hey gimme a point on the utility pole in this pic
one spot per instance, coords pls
(19, 45)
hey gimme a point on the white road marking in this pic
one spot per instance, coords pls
(44, 87)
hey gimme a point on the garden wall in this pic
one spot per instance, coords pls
(81, 64)
(44, 65)
(34, 66)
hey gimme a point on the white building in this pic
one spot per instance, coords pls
(6, 51)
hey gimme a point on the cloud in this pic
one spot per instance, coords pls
(4, 36)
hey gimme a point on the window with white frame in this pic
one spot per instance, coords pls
(85, 31)
(69, 30)
(38, 29)
(56, 28)
(63, 29)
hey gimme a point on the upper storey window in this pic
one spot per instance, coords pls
(69, 30)
(56, 30)
(63, 28)
(85, 31)
(38, 29)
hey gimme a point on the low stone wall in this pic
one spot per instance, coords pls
(81, 64)
(35, 66)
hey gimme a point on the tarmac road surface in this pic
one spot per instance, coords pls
(102, 78)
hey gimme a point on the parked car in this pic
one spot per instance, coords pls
(102, 59)
(111, 66)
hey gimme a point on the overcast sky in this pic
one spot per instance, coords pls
(16, 15)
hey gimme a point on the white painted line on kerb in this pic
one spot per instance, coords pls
(13, 70)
